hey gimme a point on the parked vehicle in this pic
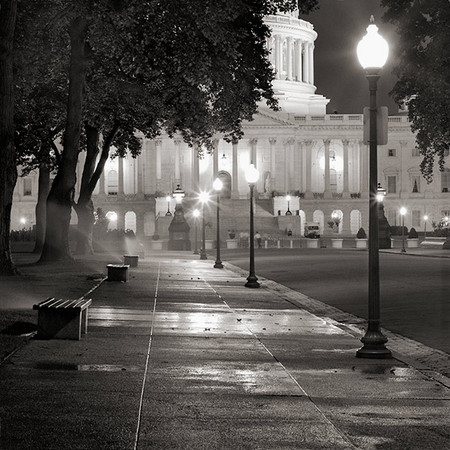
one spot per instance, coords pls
(312, 230)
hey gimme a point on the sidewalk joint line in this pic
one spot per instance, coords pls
(147, 360)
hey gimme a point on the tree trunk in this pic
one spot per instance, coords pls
(61, 197)
(91, 175)
(41, 206)
(8, 169)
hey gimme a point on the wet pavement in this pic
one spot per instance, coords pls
(184, 356)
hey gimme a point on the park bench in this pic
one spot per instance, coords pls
(117, 272)
(131, 260)
(62, 319)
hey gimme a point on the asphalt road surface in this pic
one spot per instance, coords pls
(414, 290)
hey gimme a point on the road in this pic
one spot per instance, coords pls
(414, 290)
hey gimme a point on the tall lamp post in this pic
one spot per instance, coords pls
(372, 53)
(204, 197)
(168, 213)
(217, 186)
(288, 212)
(425, 219)
(195, 213)
(402, 213)
(252, 175)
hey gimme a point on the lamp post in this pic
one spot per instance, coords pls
(204, 197)
(195, 213)
(168, 213)
(288, 212)
(252, 175)
(402, 213)
(217, 186)
(372, 53)
(425, 219)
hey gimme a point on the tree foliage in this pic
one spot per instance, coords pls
(423, 68)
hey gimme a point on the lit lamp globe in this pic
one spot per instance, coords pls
(252, 174)
(372, 50)
(217, 184)
(402, 210)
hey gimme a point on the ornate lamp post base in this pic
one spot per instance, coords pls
(218, 265)
(252, 282)
(374, 347)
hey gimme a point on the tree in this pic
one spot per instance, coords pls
(423, 69)
(211, 74)
(8, 171)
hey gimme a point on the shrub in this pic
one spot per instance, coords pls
(361, 234)
(413, 233)
(396, 230)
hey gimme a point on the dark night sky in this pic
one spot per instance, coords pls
(340, 25)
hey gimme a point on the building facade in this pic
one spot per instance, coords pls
(318, 159)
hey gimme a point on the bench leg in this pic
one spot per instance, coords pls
(84, 321)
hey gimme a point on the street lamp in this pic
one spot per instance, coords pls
(372, 53)
(252, 175)
(425, 219)
(217, 186)
(288, 212)
(195, 213)
(203, 197)
(168, 213)
(402, 213)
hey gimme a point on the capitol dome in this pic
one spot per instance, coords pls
(291, 47)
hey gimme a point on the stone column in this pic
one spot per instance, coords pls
(345, 143)
(253, 154)
(308, 150)
(158, 144)
(101, 187)
(298, 165)
(298, 62)
(235, 169)
(195, 170)
(215, 160)
(305, 62)
(140, 224)
(311, 63)
(288, 164)
(327, 168)
(273, 167)
(120, 190)
(140, 177)
(278, 56)
(364, 177)
(289, 58)
(177, 162)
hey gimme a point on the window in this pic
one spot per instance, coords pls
(392, 185)
(416, 219)
(415, 152)
(27, 186)
(392, 152)
(113, 182)
(415, 183)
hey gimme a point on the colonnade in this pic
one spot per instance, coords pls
(292, 58)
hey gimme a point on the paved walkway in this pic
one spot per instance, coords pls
(184, 357)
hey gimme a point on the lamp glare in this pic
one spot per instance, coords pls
(372, 50)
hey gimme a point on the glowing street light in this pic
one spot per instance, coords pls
(288, 212)
(372, 53)
(168, 198)
(403, 211)
(204, 198)
(425, 219)
(252, 175)
(217, 186)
